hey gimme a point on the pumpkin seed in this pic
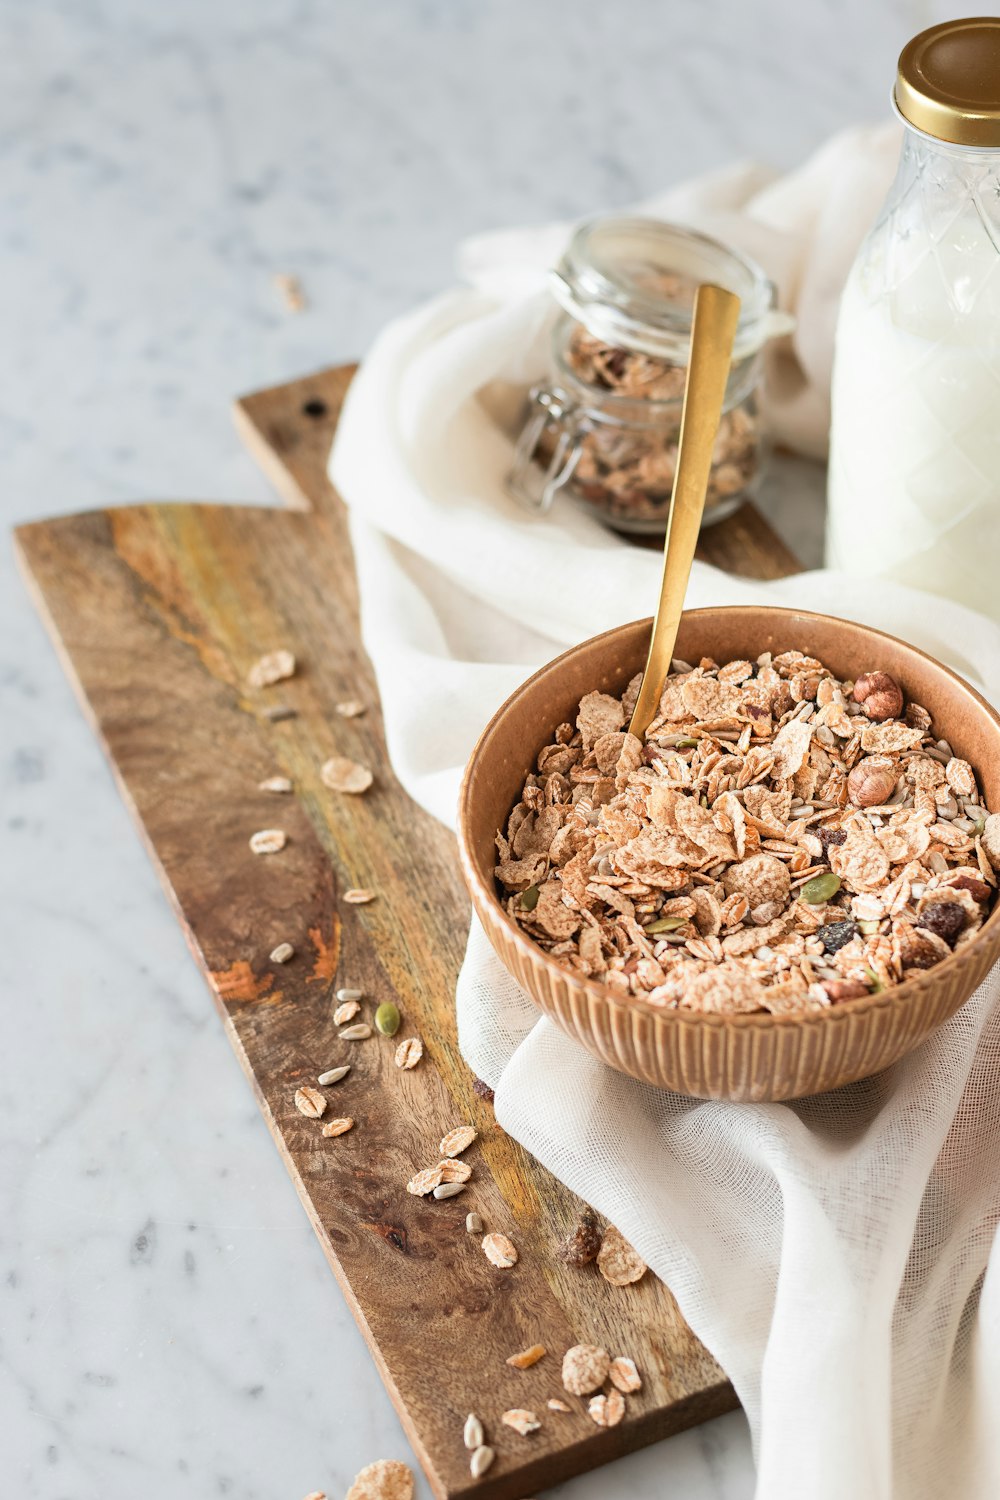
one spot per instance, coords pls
(529, 898)
(875, 982)
(387, 1018)
(687, 744)
(820, 889)
(868, 928)
(666, 924)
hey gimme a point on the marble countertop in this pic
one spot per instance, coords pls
(170, 1327)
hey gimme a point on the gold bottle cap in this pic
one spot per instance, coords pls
(948, 83)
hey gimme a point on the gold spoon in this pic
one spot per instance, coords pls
(713, 329)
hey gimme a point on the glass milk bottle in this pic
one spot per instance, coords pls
(914, 483)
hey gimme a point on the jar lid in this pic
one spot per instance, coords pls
(948, 82)
(631, 283)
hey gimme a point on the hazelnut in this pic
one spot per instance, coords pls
(872, 782)
(845, 989)
(880, 696)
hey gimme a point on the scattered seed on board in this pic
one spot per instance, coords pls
(359, 1033)
(386, 1479)
(345, 1012)
(275, 666)
(309, 1102)
(275, 784)
(316, 1495)
(472, 1434)
(282, 953)
(554, 1404)
(617, 1261)
(449, 1189)
(527, 1357)
(275, 712)
(334, 1075)
(409, 1053)
(454, 1171)
(350, 994)
(521, 1420)
(338, 1127)
(474, 1224)
(268, 840)
(584, 1369)
(422, 1183)
(499, 1251)
(607, 1411)
(289, 288)
(387, 1018)
(624, 1374)
(350, 708)
(480, 1461)
(358, 896)
(343, 775)
(458, 1140)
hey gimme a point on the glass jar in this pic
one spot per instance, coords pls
(914, 479)
(605, 427)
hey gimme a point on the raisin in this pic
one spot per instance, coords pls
(945, 918)
(828, 836)
(581, 1246)
(834, 935)
(482, 1090)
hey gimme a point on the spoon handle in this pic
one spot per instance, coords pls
(713, 329)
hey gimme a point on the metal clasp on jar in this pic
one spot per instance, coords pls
(530, 484)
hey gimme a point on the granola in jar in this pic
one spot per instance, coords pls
(783, 841)
(606, 426)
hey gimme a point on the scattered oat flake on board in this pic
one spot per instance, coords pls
(386, 1479)
(554, 1404)
(343, 775)
(338, 1127)
(309, 1102)
(617, 1262)
(499, 1251)
(358, 896)
(290, 290)
(453, 1170)
(458, 1140)
(624, 1375)
(584, 1369)
(409, 1053)
(275, 666)
(521, 1420)
(422, 1183)
(316, 1495)
(350, 708)
(345, 1012)
(268, 840)
(279, 784)
(607, 1411)
(527, 1357)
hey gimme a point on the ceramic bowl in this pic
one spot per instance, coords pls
(757, 1056)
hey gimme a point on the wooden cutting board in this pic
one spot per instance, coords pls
(158, 612)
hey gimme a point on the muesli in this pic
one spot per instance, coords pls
(783, 841)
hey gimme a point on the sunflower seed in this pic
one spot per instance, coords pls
(274, 784)
(275, 712)
(472, 1434)
(449, 1189)
(358, 896)
(282, 953)
(268, 840)
(334, 1075)
(350, 994)
(350, 708)
(359, 1033)
(480, 1461)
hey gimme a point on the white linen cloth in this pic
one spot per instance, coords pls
(838, 1256)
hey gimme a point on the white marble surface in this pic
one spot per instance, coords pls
(169, 1325)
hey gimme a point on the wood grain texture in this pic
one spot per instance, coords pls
(158, 612)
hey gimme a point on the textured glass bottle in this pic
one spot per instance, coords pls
(914, 485)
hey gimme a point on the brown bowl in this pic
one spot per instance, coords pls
(756, 1056)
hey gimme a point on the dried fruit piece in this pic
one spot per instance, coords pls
(617, 1262)
(386, 1479)
(345, 1012)
(554, 1404)
(584, 1369)
(357, 1033)
(268, 841)
(835, 935)
(309, 1102)
(527, 1357)
(945, 918)
(387, 1018)
(273, 667)
(409, 1053)
(820, 889)
(279, 784)
(458, 1140)
(338, 1127)
(282, 953)
(607, 1411)
(582, 1244)
(480, 1461)
(499, 1251)
(343, 775)
(472, 1433)
(482, 1090)
(334, 1075)
(358, 896)
(624, 1375)
(521, 1420)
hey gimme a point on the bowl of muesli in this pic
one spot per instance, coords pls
(786, 887)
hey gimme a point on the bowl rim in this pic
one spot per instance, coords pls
(759, 1020)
